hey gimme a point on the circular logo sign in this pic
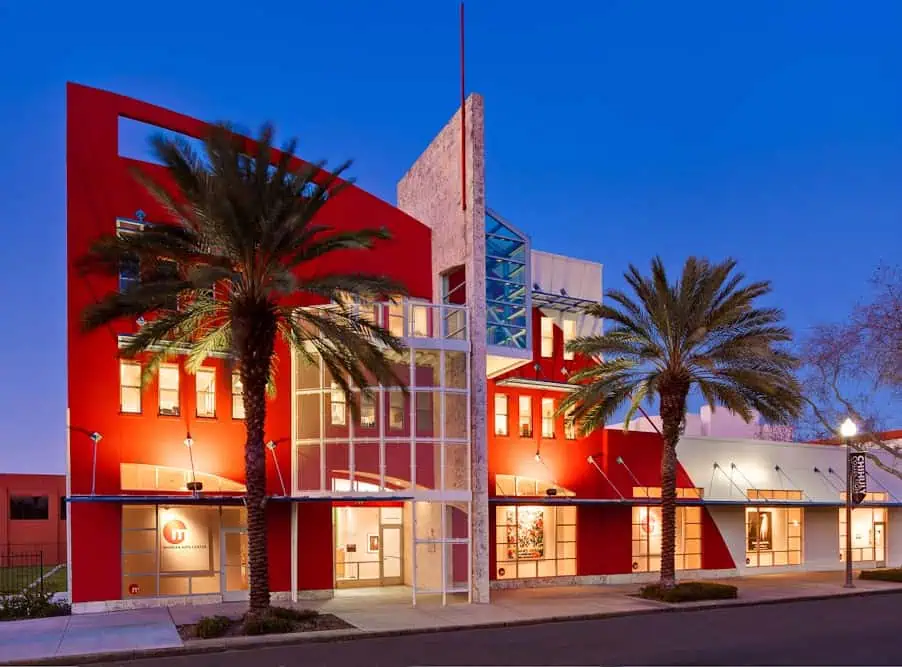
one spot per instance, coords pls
(175, 531)
(133, 589)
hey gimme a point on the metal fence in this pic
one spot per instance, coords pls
(21, 571)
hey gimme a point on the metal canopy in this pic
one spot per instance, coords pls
(561, 302)
(159, 500)
(526, 383)
(644, 502)
(228, 500)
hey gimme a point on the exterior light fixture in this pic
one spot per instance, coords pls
(848, 430)
(538, 456)
(271, 446)
(95, 438)
(194, 486)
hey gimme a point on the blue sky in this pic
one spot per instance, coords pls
(768, 131)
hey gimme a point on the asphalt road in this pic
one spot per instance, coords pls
(845, 631)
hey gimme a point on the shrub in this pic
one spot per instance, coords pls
(690, 591)
(298, 615)
(212, 626)
(31, 604)
(883, 574)
(267, 624)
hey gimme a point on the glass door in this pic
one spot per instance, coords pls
(235, 574)
(392, 573)
(880, 544)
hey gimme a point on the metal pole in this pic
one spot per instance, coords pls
(849, 583)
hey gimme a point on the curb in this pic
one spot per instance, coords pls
(204, 646)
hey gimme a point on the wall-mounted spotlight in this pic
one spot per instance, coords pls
(194, 486)
(271, 446)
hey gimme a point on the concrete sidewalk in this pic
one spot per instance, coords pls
(387, 611)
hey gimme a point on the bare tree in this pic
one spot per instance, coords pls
(854, 369)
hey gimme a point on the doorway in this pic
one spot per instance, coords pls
(235, 580)
(369, 546)
(880, 544)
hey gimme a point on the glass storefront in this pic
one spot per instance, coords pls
(535, 541)
(646, 532)
(773, 533)
(369, 546)
(868, 531)
(179, 550)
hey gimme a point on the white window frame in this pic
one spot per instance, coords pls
(547, 418)
(237, 396)
(177, 411)
(569, 328)
(367, 411)
(502, 423)
(123, 387)
(546, 336)
(200, 396)
(338, 410)
(569, 426)
(524, 416)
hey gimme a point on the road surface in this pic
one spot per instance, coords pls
(845, 631)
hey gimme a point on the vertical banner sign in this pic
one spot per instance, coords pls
(859, 476)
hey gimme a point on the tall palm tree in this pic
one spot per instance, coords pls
(703, 332)
(243, 248)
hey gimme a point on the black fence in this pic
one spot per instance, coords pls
(20, 572)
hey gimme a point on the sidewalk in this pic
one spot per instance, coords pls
(386, 611)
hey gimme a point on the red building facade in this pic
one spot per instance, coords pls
(468, 480)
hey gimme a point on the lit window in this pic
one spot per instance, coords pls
(339, 406)
(525, 420)
(396, 318)
(169, 390)
(569, 426)
(368, 411)
(396, 410)
(420, 316)
(773, 534)
(868, 531)
(547, 417)
(237, 397)
(501, 414)
(647, 537)
(535, 541)
(205, 380)
(547, 337)
(129, 387)
(569, 335)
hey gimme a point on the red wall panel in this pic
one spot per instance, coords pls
(96, 547)
(315, 554)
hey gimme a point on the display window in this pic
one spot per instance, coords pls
(773, 533)
(868, 531)
(169, 551)
(646, 532)
(535, 541)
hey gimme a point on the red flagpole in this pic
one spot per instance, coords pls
(463, 118)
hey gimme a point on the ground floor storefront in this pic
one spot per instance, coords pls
(150, 553)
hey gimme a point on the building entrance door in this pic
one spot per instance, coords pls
(369, 546)
(392, 574)
(235, 575)
(880, 544)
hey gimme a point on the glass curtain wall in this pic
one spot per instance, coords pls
(507, 291)
(773, 533)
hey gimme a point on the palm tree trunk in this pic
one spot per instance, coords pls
(255, 334)
(673, 411)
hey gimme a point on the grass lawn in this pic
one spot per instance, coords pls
(14, 579)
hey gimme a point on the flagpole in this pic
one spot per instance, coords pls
(463, 118)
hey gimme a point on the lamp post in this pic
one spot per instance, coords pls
(848, 430)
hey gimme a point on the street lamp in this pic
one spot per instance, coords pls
(848, 430)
